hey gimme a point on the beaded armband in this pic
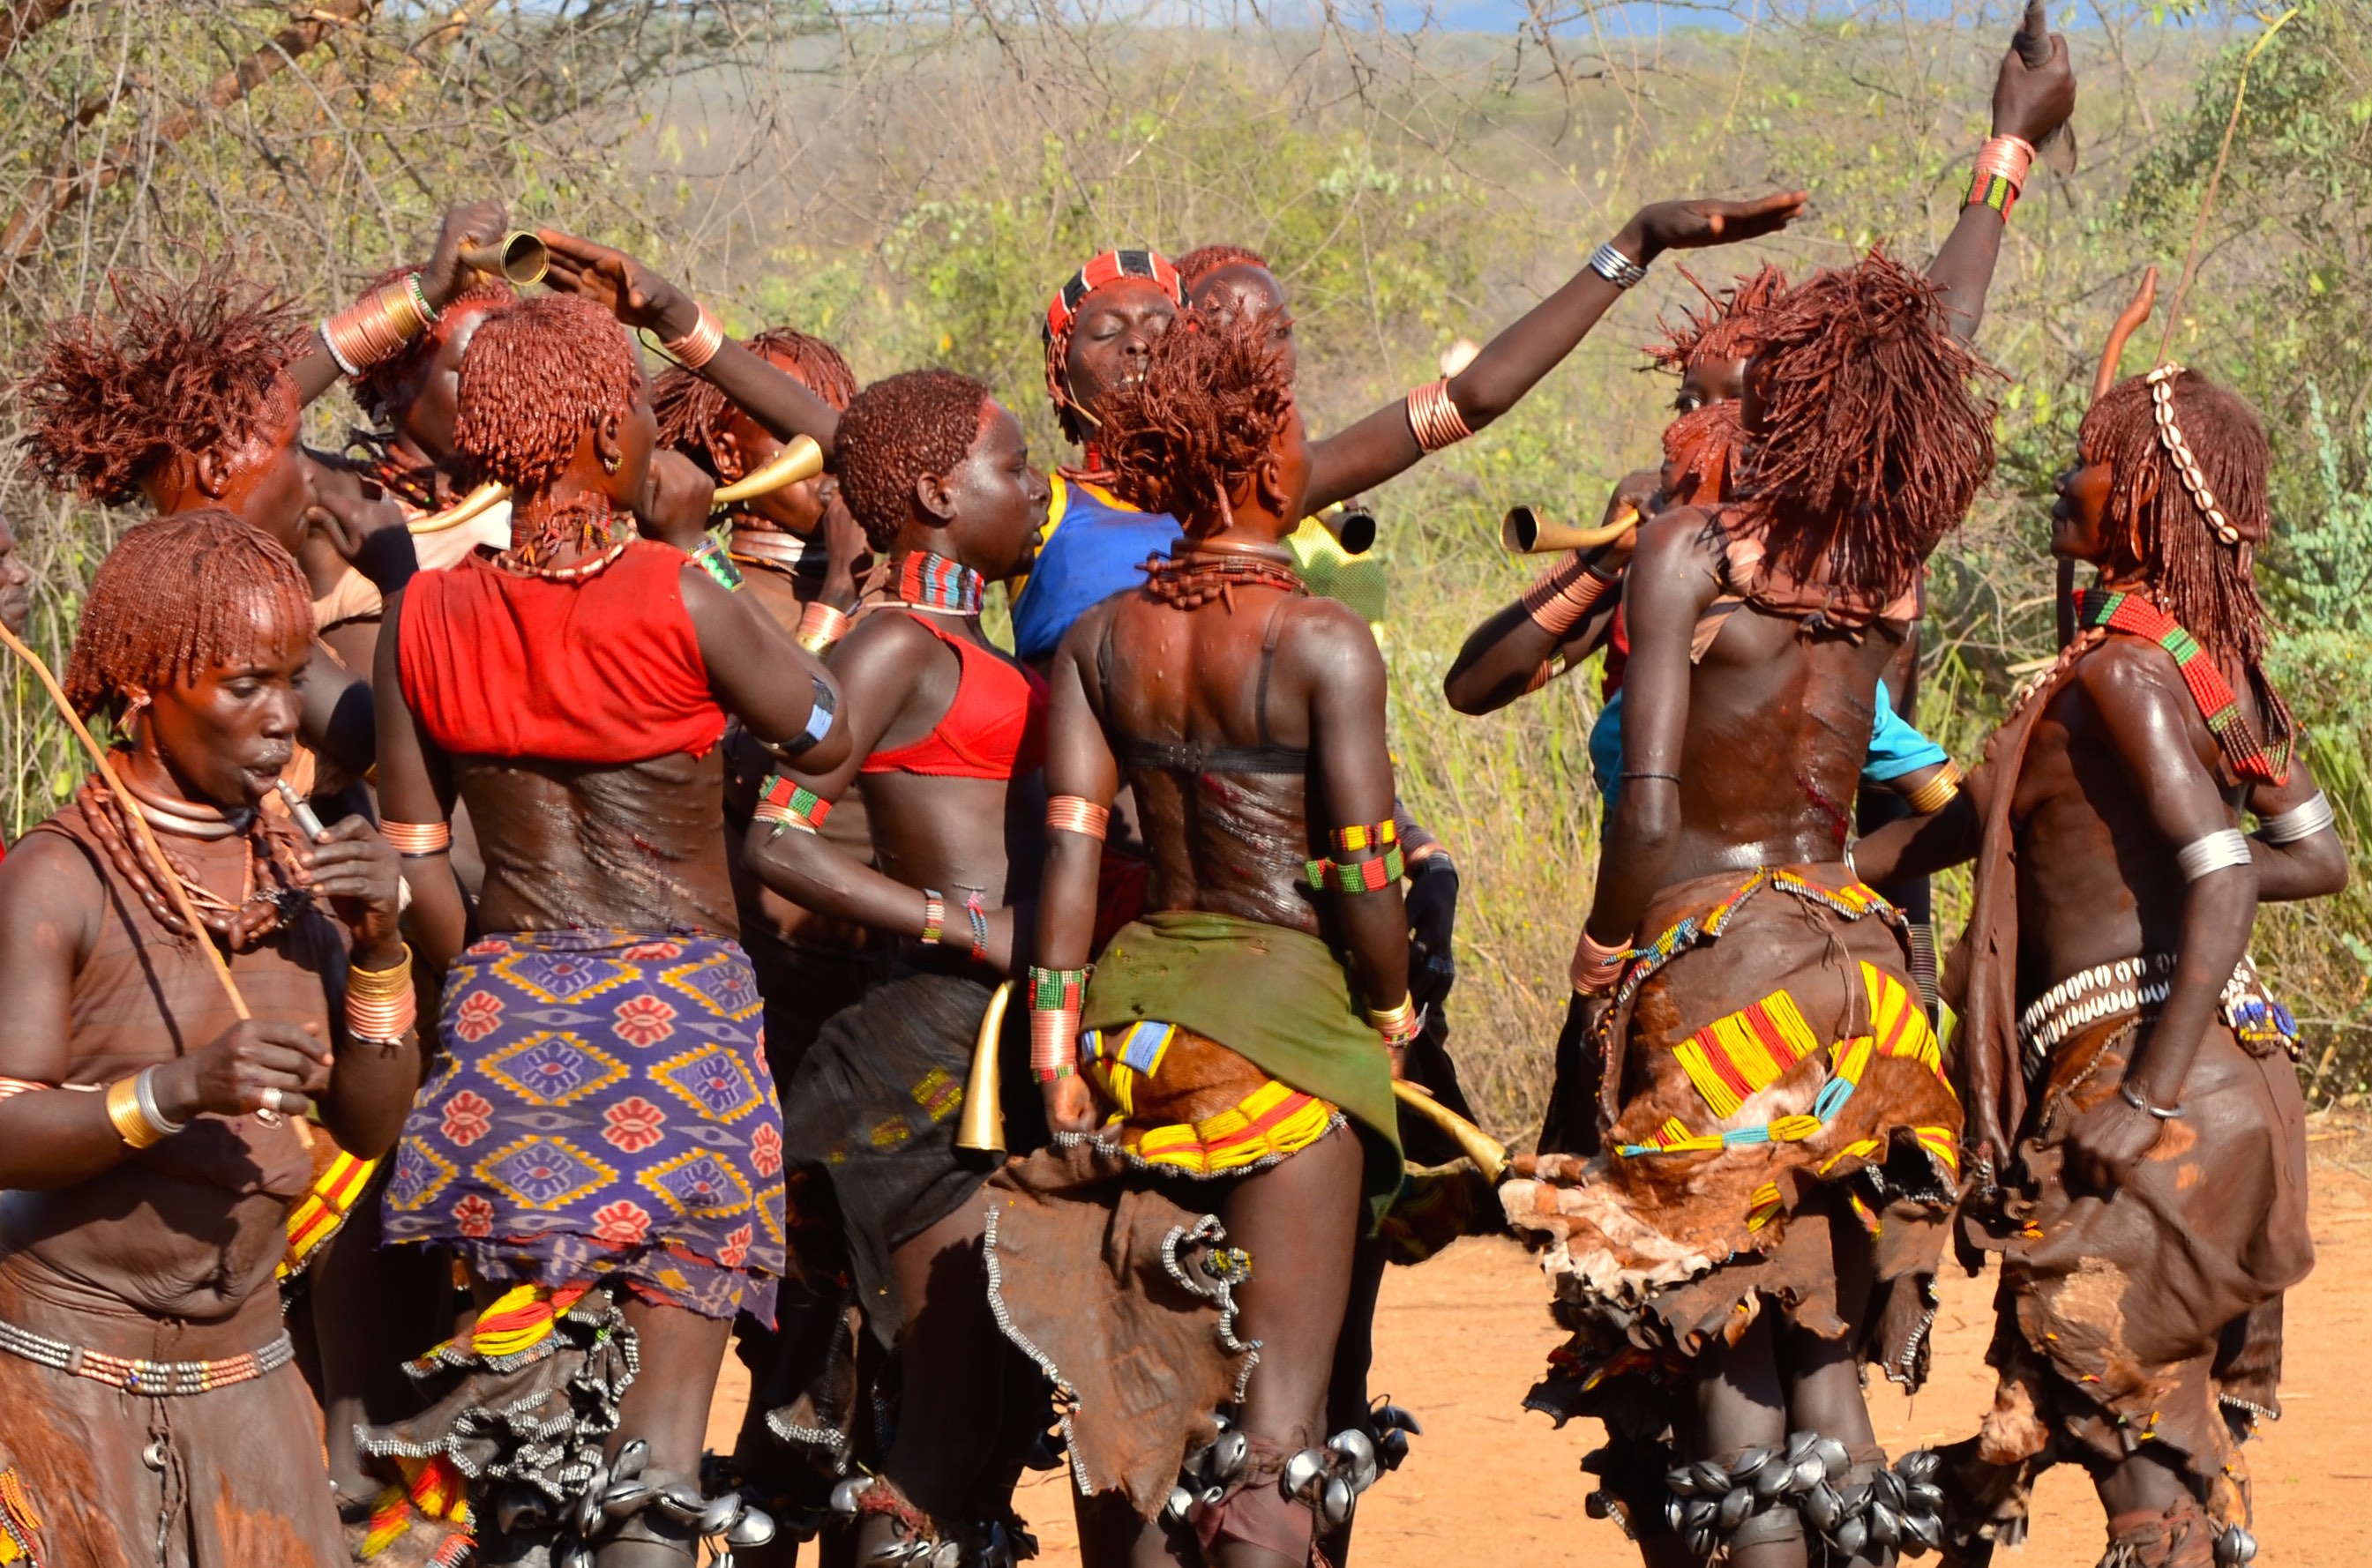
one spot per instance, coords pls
(935, 917)
(2000, 173)
(1937, 793)
(378, 326)
(1354, 876)
(416, 840)
(1433, 418)
(711, 558)
(821, 626)
(1077, 814)
(977, 917)
(698, 346)
(1364, 835)
(1056, 997)
(1397, 1023)
(788, 805)
(819, 715)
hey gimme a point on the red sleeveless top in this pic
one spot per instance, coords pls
(605, 669)
(995, 728)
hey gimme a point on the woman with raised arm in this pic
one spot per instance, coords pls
(1240, 1035)
(2117, 1044)
(602, 1146)
(946, 737)
(149, 1152)
(1777, 1147)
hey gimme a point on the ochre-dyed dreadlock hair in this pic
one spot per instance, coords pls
(176, 597)
(182, 367)
(1874, 436)
(1209, 408)
(2156, 530)
(1725, 327)
(692, 414)
(378, 389)
(1201, 263)
(536, 373)
(893, 432)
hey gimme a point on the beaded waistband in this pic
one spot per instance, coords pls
(2140, 986)
(134, 1375)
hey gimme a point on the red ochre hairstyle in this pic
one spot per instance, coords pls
(1200, 263)
(2158, 531)
(181, 368)
(1874, 438)
(1208, 409)
(692, 414)
(376, 388)
(894, 432)
(1725, 328)
(535, 373)
(176, 597)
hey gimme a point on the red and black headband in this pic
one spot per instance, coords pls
(1109, 268)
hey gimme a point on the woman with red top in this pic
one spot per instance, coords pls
(945, 746)
(603, 1139)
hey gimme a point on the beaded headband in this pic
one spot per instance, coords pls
(2169, 436)
(1108, 268)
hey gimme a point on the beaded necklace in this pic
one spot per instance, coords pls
(2133, 614)
(934, 583)
(1200, 574)
(261, 913)
(584, 522)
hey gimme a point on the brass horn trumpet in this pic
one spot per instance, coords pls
(982, 1125)
(1525, 532)
(799, 459)
(1353, 527)
(1489, 1154)
(469, 508)
(519, 256)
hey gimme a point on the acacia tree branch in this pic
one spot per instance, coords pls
(54, 193)
(20, 19)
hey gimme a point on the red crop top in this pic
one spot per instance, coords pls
(995, 728)
(602, 670)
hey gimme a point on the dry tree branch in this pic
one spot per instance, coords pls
(23, 19)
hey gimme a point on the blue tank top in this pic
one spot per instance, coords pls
(1089, 549)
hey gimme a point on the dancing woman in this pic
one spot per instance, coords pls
(1240, 1035)
(945, 739)
(148, 1157)
(1779, 1145)
(2117, 1044)
(602, 1146)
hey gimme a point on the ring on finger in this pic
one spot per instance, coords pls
(272, 1098)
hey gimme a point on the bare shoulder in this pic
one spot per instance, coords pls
(1680, 537)
(48, 878)
(2130, 675)
(1329, 634)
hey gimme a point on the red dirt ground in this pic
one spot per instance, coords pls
(1459, 1339)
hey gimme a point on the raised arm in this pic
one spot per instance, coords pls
(2148, 718)
(1384, 445)
(641, 298)
(1672, 580)
(784, 695)
(1080, 767)
(2033, 95)
(443, 276)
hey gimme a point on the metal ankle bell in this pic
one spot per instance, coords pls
(2234, 1547)
(844, 1495)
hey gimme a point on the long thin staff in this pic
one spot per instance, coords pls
(2215, 178)
(181, 895)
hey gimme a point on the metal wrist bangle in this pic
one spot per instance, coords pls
(144, 1086)
(2139, 1101)
(1615, 267)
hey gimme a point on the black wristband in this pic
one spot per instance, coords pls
(388, 559)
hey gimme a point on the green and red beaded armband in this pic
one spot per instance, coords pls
(787, 804)
(1357, 876)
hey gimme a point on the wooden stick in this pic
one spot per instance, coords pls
(181, 895)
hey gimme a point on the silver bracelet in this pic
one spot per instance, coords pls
(2301, 821)
(1615, 267)
(2213, 852)
(143, 1089)
(2135, 1097)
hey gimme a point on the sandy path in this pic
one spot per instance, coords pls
(1459, 1339)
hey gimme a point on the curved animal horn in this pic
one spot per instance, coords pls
(2127, 325)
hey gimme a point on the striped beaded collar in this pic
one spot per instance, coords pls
(926, 581)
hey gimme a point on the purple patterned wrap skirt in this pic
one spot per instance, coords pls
(602, 1108)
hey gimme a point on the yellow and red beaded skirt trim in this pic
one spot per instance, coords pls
(318, 1216)
(1188, 1104)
